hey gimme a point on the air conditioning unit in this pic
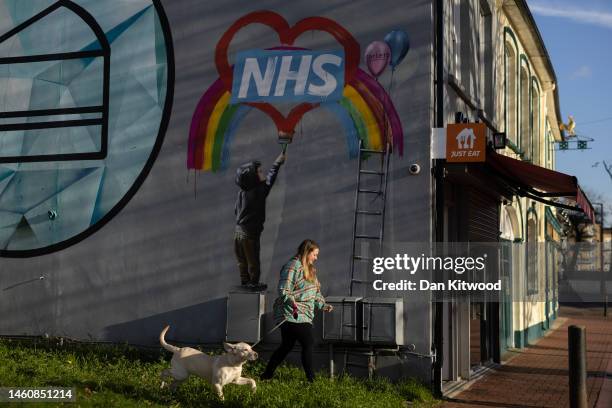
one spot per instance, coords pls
(245, 311)
(383, 321)
(343, 324)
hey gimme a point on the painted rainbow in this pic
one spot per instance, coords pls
(365, 112)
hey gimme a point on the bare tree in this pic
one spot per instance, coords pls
(608, 169)
(599, 197)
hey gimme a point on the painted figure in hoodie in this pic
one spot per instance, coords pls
(250, 211)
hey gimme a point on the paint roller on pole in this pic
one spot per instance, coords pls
(284, 139)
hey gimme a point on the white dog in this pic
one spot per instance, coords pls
(218, 370)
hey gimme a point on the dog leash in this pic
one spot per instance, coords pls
(295, 316)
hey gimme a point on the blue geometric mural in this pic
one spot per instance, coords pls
(85, 97)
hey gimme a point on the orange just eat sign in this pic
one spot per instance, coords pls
(465, 142)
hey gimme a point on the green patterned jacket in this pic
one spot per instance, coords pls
(292, 287)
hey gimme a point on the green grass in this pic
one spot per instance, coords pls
(122, 376)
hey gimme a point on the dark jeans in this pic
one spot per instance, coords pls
(247, 254)
(290, 332)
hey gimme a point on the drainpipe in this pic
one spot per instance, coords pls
(438, 170)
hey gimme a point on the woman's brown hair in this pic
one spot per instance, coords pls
(305, 248)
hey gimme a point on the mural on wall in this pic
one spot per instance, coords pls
(330, 79)
(85, 97)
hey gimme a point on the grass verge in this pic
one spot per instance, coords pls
(122, 376)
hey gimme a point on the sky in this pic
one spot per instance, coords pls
(578, 37)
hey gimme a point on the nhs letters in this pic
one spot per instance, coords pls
(288, 76)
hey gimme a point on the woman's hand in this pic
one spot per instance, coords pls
(328, 308)
(294, 310)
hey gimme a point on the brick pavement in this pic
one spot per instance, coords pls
(537, 376)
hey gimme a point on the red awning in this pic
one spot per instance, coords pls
(538, 182)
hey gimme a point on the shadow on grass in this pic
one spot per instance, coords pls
(110, 351)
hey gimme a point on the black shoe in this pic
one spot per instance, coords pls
(243, 287)
(266, 376)
(257, 287)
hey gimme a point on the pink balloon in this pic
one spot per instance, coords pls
(377, 57)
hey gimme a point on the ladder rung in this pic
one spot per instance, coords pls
(367, 236)
(372, 151)
(363, 258)
(364, 212)
(370, 191)
(379, 173)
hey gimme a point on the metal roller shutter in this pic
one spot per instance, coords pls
(483, 217)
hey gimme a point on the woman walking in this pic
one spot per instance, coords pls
(299, 292)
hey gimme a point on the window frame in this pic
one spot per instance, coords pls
(532, 275)
(486, 64)
(549, 145)
(525, 154)
(536, 115)
(510, 43)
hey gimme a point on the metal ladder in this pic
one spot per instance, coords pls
(381, 193)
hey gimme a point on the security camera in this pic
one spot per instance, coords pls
(414, 169)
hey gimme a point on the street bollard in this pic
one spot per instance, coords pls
(577, 366)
